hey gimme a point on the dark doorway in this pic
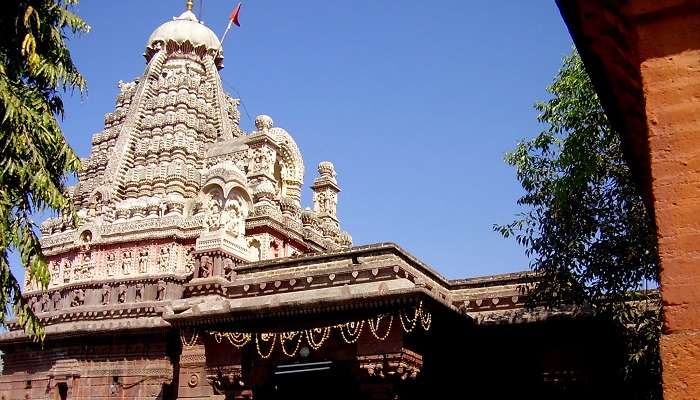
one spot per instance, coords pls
(63, 391)
(321, 380)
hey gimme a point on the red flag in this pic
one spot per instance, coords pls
(234, 14)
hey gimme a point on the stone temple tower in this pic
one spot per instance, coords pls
(174, 189)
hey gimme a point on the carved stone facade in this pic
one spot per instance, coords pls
(173, 175)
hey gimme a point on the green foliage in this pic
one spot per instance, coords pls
(584, 226)
(35, 69)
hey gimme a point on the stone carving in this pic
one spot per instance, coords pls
(110, 264)
(232, 218)
(44, 302)
(262, 160)
(164, 259)
(126, 263)
(33, 304)
(138, 292)
(212, 211)
(263, 123)
(106, 294)
(160, 291)
(126, 86)
(96, 206)
(56, 300)
(206, 268)
(67, 266)
(77, 297)
(143, 261)
(55, 270)
(229, 269)
(189, 260)
(39, 304)
(121, 295)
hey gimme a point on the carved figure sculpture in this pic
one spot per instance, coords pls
(189, 260)
(143, 261)
(67, 270)
(44, 303)
(164, 259)
(126, 263)
(55, 269)
(106, 294)
(34, 304)
(138, 294)
(78, 298)
(86, 266)
(56, 300)
(207, 267)
(110, 264)
(212, 211)
(121, 296)
(160, 291)
(229, 269)
(232, 218)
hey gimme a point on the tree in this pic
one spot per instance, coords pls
(35, 69)
(585, 228)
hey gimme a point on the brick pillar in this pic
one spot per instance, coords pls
(669, 49)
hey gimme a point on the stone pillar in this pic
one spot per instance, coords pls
(263, 154)
(644, 59)
(669, 49)
(193, 382)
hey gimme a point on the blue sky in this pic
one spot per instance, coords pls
(414, 102)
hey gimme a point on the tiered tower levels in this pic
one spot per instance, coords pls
(175, 190)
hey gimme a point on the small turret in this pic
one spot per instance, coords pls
(326, 191)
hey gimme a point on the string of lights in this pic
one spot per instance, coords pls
(350, 332)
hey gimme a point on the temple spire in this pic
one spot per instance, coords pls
(189, 5)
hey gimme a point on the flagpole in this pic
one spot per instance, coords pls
(232, 19)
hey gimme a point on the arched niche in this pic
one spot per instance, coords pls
(289, 166)
(255, 249)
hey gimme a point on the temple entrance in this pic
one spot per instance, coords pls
(311, 381)
(62, 391)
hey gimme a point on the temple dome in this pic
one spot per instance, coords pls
(185, 28)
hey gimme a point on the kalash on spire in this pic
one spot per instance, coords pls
(175, 188)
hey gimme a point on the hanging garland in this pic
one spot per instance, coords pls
(192, 341)
(290, 336)
(350, 332)
(324, 332)
(266, 337)
(374, 327)
(237, 339)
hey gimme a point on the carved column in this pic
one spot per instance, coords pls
(386, 366)
(326, 191)
(263, 154)
(224, 368)
(193, 374)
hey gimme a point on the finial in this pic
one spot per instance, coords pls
(189, 5)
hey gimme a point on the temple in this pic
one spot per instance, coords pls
(195, 272)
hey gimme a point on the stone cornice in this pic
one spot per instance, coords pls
(82, 328)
